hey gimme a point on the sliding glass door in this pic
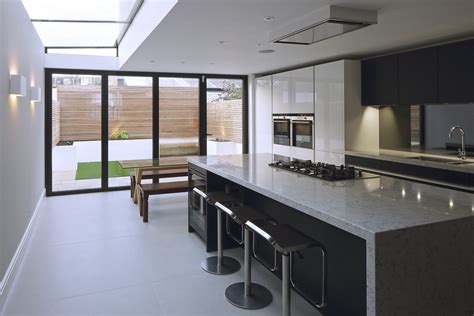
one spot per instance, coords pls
(178, 117)
(76, 132)
(130, 124)
(224, 101)
(98, 123)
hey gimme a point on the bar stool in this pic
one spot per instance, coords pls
(287, 240)
(246, 294)
(220, 264)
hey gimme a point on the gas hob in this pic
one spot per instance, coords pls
(320, 170)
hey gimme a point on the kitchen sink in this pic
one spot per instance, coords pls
(442, 160)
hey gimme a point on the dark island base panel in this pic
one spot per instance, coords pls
(346, 253)
(448, 176)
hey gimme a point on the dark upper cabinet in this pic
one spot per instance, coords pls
(456, 72)
(418, 77)
(380, 81)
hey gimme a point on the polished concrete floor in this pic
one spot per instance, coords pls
(90, 254)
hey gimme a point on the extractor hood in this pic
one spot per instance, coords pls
(322, 24)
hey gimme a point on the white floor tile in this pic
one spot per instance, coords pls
(91, 254)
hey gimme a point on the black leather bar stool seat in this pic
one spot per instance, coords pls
(220, 264)
(223, 198)
(246, 294)
(287, 240)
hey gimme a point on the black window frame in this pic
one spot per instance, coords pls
(49, 72)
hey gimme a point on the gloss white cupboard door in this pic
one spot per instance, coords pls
(281, 93)
(302, 94)
(302, 153)
(282, 150)
(327, 157)
(329, 107)
(263, 115)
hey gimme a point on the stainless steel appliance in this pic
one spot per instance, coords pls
(197, 211)
(281, 130)
(302, 131)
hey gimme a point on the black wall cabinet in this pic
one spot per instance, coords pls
(440, 74)
(456, 72)
(418, 77)
(380, 81)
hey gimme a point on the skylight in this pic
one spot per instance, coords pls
(82, 25)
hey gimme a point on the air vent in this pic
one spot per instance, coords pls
(322, 24)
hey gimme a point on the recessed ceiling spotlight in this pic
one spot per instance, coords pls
(266, 51)
(221, 42)
(183, 62)
(152, 61)
(269, 18)
(259, 44)
(211, 63)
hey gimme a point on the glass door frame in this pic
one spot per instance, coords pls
(204, 89)
(49, 72)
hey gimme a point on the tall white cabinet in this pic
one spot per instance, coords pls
(337, 105)
(293, 91)
(331, 91)
(329, 112)
(302, 91)
(263, 115)
(281, 93)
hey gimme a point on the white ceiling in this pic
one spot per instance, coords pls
(187, 40)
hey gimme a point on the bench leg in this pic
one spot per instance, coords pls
(140, 204)
(145, 208)
(132, 186)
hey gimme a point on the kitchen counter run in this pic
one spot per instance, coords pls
(362, 207)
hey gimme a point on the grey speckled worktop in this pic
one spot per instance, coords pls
(362, 207)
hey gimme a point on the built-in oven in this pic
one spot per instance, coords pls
(281, 130)
(302, 131)
(197, 208)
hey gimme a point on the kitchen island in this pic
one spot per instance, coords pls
(412, 242)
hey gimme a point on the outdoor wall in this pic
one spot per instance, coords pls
(21, 135)
(76, 120)
(224, 120)
(179, 112)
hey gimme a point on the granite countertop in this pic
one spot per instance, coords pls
(363, 207)
(404, 156)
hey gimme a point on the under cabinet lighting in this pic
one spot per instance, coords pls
(35, 94)
(17, 85)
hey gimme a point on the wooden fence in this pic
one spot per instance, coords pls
(224, 120)
(77, 113)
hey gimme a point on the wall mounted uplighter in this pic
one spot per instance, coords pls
(17, 85)
(35, 94)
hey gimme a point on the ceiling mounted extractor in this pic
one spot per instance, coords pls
(322, 24)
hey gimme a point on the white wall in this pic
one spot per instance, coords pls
(361, 127)
(21, 132)
(147, 19)
(3, 92)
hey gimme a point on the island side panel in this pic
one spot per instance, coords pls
(425, 270)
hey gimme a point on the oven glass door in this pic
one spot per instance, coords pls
(281, 132)
(197, 211)
(303, 134)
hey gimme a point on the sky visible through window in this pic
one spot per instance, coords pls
(81, 23)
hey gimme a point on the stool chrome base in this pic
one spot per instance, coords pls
(228, 266)
(259, 296)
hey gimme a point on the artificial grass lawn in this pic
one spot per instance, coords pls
(92, 170)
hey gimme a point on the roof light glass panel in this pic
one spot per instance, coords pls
(81, 23)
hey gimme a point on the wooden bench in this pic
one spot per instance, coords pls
(156, 174)
(145, 190)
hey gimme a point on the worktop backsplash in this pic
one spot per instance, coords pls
(426, 127)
